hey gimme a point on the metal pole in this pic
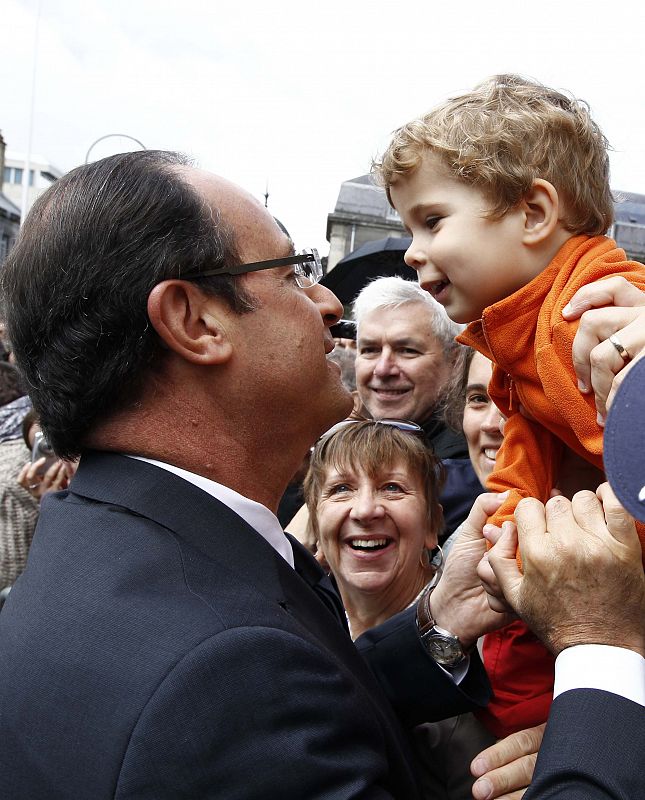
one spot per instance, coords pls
(25, 176)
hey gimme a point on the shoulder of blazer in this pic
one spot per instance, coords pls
(182, 508)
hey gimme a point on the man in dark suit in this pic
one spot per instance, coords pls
(167, 640)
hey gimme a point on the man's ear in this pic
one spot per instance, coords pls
(189, 322)
(541, 208)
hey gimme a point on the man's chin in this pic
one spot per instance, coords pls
(339, 408)
(345, 404)
(389, 410)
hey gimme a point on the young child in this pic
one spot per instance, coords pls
(505, 191)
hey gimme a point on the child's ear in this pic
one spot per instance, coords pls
(541, 208)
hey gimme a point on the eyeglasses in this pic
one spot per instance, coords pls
(308, 268)
(405, 425)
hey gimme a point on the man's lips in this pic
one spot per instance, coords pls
(390, 391)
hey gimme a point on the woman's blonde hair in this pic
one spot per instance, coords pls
(371, 445)
(506, 133)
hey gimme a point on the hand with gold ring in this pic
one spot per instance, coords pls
(611, 336)
(622, 351)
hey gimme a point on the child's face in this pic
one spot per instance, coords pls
(466, 261)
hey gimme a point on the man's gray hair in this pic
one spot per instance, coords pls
(392, 292)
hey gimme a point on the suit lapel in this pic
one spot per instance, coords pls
(313, 574)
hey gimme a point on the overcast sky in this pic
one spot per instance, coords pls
(301, 94)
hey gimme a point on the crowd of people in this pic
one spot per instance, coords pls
(414, 635)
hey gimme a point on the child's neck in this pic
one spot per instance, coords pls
(544, 253)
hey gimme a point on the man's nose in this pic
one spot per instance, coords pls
(386, 364)
(331, 309)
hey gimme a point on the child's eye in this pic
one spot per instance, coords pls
(478, 399)
(432, 222)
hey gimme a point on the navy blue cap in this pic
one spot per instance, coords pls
(624, 442)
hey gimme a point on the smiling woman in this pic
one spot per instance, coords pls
(469, 408)
(372, 491)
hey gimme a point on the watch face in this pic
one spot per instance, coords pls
(445, 650)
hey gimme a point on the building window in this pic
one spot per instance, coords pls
(17, 174)
(4, 247)
(7, 175)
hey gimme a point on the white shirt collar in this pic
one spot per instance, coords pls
(255, 514)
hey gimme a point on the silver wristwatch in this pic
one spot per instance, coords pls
(442, 646)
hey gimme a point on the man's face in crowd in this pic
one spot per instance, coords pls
(400, 364)
(281, 345)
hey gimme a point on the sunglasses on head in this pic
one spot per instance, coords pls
(405, 425)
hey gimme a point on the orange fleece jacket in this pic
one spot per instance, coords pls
(530, 344)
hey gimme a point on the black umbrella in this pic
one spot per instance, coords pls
(383, 257)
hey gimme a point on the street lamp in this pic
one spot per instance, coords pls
(107, 136)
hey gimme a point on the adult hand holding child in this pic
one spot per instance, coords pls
(593, 548)
(611, 307)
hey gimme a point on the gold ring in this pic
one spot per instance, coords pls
(622, 351)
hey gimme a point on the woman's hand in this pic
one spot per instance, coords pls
(608, 307)
(505, 770)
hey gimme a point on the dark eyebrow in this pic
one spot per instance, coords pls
(477, 387)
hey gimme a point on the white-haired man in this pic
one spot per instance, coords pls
(406, 349)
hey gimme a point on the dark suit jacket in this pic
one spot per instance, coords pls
(158, 647)
(593, 749)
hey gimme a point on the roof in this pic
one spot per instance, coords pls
(630, 207)
(13, 158)
(361, 196)
(8, 209)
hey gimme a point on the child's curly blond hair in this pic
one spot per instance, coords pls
(505, 134)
